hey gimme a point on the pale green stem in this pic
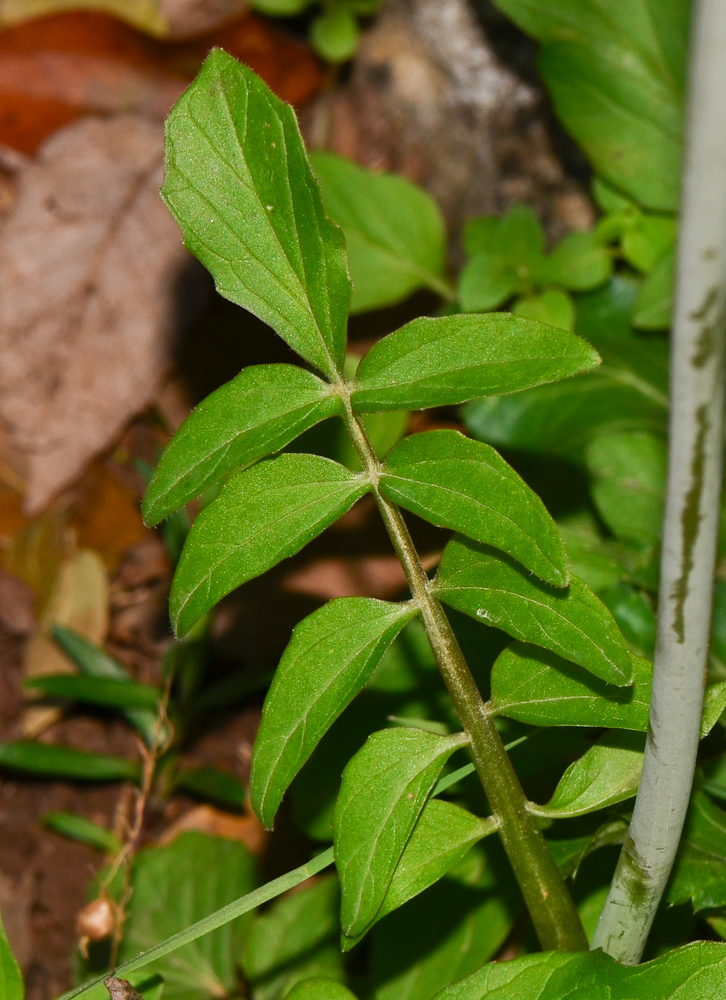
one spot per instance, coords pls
(692, 507)
(550, 905)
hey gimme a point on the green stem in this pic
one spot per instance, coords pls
(550, 905)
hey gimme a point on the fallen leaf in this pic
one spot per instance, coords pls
(90, 263)
(165, 18)
(78, 600)
(16, 604)
(58, 67)
(107, 515)
(207, 819)
(362, 576)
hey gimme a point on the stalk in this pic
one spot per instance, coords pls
(692, 507)
(550, 905)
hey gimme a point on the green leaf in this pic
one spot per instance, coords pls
(554, 307)
(693, 972)
(239, 184)
(295, 939)
(569, 854)
(262, 515)
(573, 623)
(212, 785)
(452, 929)
(616, 79)
(648, 241)
(96, 690)
(596, 560)
(536, 686)
(393, 230)
(320, 988)
(94, 662)
(448, 360)
(628, 472)
(176, 885)
(628, 392)
(334, 34)
(699, 874)
(443, 835)
(384, 789)
(281, 8)
(331, 656)
(608, 773)
(259, 412)
(458, 483)
(56, 761)
(84, 830)
(634, 614)
(11, 978)
(486, 282)
(655, 302)
(578, 262)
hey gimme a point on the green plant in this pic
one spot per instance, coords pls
(334, 30)
(419, 873)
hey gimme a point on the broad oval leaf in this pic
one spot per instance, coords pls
(262, 515)
(239, 184)
(578, 262)
(331, 656)
(654, 307)
(448, 360)
(693, 972)
(699, 874)
(538, 687)
(608, 773)
(384, 788)
(259, 412)
(11, 978)
(393, 230)
(443, 835)
(572, 623)
(458, 483)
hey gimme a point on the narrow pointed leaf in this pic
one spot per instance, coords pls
(393, 230)
(331, 656)
(95, 662)
(443, 835)
(11, 978)
(384, 789)
(96, 690)
(693, 972)
(56, 761)
(257, 413)
(538, 687)
(262, 515)
(84, 830)
(458, 483)
(608, 773)
(239, 184)
(449, 360)
(573, 623)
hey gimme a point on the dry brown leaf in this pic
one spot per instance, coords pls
(207, 819)
(362, 576)
(188, 18)
(90, 261)
(78, 600)
(16, 604)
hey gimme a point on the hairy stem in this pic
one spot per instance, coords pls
(692, 508)
(550, 905)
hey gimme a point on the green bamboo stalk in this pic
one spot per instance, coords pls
(695, 459)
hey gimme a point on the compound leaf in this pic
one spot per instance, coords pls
(393, 230)
(695, 971)
(239, 184)
(465, 485)
(262, 515)
(608, 773)
(257, 413)
(384, 789)
(573, 623)
(448, 360)
(331, 656)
